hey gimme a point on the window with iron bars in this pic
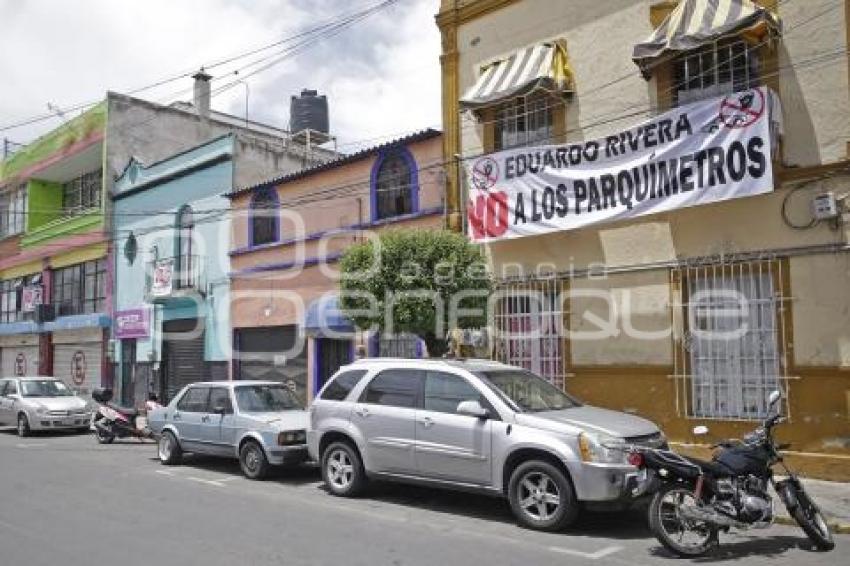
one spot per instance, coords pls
(523, 121)
(721, 68)
(82, 193)
(729, 356)
(13, 210)
(530, 331)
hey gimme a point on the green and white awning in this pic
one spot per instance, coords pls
(695, 23)
(544, 66)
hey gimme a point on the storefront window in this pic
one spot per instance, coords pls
(12, 299)
(80, 288)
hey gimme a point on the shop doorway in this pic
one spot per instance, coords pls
(128, 372)
(330, 355)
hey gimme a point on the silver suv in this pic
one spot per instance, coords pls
(473, 424)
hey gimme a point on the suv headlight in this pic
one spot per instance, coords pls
(290, 437)
(601, 448)
(41, 410)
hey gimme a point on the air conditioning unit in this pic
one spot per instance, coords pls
(44, 313)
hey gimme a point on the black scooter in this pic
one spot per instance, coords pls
(694, 500)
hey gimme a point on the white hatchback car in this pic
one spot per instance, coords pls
(259, 422)
(41, 403)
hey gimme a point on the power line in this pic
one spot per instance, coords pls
(316, 30)
(343, 189)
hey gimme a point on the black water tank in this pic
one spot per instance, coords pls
(308, 111)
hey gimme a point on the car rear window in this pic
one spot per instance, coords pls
(342, 384)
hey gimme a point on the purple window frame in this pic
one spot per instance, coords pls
(413, 181)
(274, 197)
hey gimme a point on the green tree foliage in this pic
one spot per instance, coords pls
(412, 281)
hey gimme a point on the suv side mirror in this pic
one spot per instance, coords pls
(472, 409)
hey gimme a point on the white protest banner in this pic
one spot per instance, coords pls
(710, 151)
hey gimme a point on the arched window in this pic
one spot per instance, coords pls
(184, 258)
(394, 185)
(264, 219)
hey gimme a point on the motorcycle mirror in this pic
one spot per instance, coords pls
(700, 430)
(774, 398)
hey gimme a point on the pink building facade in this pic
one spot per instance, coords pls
(287, 237)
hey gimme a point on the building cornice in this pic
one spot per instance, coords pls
(458, 12)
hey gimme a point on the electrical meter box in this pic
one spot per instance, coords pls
(825, 206)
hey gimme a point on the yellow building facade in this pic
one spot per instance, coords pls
(614, 313)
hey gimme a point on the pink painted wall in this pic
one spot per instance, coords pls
(289, 291)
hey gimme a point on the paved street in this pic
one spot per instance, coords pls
(66, 500)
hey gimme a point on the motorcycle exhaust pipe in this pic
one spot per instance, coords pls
(700, 514)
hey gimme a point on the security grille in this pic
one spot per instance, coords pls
(729, 354)
(399, 346)
(718, 69)
(523, 121)
(530, 330)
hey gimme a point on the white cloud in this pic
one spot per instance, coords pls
(381, 75)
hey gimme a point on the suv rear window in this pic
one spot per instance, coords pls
(342, 384)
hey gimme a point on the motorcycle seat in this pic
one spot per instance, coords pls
(711, 468)
(126, 411)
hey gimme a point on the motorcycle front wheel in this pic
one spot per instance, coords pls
(811, 520)
(682, 536)
(103, 437)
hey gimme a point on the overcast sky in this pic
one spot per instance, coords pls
(381, 75)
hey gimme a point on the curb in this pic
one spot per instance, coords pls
(837, 527)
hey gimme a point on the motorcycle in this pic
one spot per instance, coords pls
(695, 500)
(111, 421)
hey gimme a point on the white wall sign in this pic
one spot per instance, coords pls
(709, 151)
(163, 275)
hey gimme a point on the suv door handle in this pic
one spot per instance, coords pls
(362, 412)
(427, 422)
(205, 419)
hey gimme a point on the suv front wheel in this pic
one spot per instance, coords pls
(542, 497)
(342, 470)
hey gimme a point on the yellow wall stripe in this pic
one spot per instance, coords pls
(79, 255)
(21, 270)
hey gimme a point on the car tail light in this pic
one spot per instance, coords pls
(635, 459)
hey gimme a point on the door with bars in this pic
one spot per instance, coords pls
(530, 329)
(731, 348)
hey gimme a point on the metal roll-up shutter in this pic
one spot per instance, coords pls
(19, 360)
(261, 357)
(184, 356)
(79, 365)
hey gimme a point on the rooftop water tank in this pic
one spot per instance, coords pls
(309, 111)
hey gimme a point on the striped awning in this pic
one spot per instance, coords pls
(543, 66)
(694, 23)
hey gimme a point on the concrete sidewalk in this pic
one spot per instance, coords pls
(833, 498)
